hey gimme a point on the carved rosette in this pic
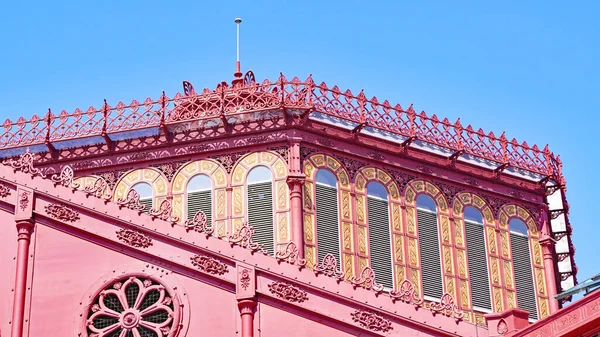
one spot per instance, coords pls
(329, 268)
(245, 279)
(243, 238)
(25, 164)
(131, 201)
(446, 307)
(24, 201)
(65, 177)
(164, 212)
(134, 238)
(62, 212)
(209, 265)
(290, 255)
(100, 189)
(406, 294)
(4, 191)
(200, 223)
(371, 321)
(288, 292)
(366, 280)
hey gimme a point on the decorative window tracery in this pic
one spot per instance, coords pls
(135, 306)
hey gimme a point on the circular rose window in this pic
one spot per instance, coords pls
(133, 307)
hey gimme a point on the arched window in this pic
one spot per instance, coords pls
(326, 198)
(380, 244)
(429, 247)
(260, 206)
(519, 245)
(477, 259)
(199, 197)
(145, 192)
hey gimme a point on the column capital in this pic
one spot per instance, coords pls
(247, 306)
(296, 179)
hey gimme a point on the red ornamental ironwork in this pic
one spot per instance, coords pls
(134, 238)
(283, 93)
(290, 254)
(24, 164)
(131, 201)
(329, 267)
(366, 280)
(99, 189)
(372, 321)
(4, 191)
(164, 212)
(62, 212)
(447, 307)
(407, 294)
(288, 292)
(243, 238)
(65, 177)
(200, 223)
(209, 265)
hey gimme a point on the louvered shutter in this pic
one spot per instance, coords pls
(429, 248)
(328, 235)
(523, 274)
(478, 270)
(199, 201)
(260, 214)
(147, 203)
(380, 241)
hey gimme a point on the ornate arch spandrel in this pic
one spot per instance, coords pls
(218, 177)
(507, 213)
(460, 202)
(412, 191)
(311, 165)
(281, 198)
(152, 176)
(363, 177)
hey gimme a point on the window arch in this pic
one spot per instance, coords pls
(327, 218)
(477, 258)
(259, 184)
(429, 247)
(146, 195)
(380, 241)
(199, 196)
(523, 268)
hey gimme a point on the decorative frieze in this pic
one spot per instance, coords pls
(371, 321)
(25, 164)
(290, 254)
(62, 212)
(288, 292)
(209, 265)
(134, 238)
(100, 189)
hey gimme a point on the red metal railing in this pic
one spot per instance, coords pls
(294, 94)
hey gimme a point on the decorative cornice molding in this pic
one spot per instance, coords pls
(371, 320)
(62, 212)
(209, 265)
(134, 238)
(288, 292)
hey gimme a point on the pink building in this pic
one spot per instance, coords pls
(283, 208)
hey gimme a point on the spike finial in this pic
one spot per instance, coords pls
(238, 72)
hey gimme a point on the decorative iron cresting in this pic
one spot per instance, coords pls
(243, 238)
(23, 163)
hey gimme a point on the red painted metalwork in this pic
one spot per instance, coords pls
(24, 229)
(283, 93)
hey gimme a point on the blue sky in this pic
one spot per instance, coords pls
(530, 69)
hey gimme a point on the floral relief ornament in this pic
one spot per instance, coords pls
(4, 191)
(372, 321)
(131, 201)
(243, 238)
(407, 294)
(200, 223)
(164, 212)
(24, 201)
(62, 212)
(99, 189)
(25, 164)
(329, 267)
(290, 254)
(366, 280)
(446, 307)
(209, 265)
(65, 177)
(245, 279)
(134, 238)
(288, 292)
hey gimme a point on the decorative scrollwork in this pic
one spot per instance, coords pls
(99, 189)
(329, 267)
(25, 164)
(4, 191)
(209, 265)
(290, 254)
(288, 292)
(406, 294)
(372, 321)
(200, 223)
(502, 327)
(366, 280)
(446, 307)
(134, 238)
(131, 201)
(164, 212)
(65, 177)
(243, 238)
(62, 212)
(249, 78)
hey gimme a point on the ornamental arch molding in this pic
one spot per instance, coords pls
(363, 177)
(151, 176)
(151, 291)
(414, 272)
(281, 194)
(218, 176)
(461, 201)
(311, 165)
(505, 215)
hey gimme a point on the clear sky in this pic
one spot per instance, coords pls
(529, 68)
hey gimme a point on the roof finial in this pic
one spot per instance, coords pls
(238, 72)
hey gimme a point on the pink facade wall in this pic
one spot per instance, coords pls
(8, 250)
